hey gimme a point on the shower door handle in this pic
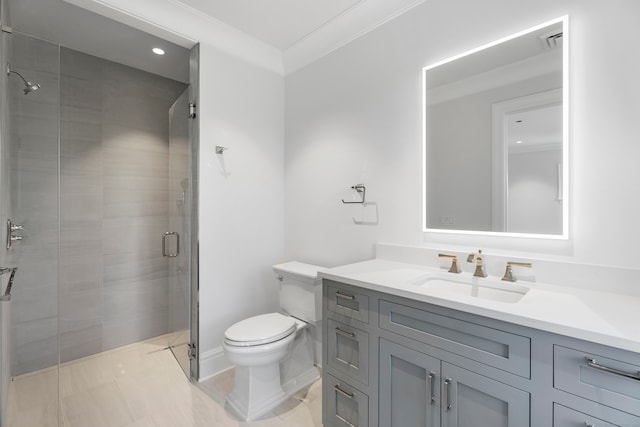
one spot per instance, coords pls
(164, 244)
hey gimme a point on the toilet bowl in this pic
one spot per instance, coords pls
(273, 353)
(259, 340)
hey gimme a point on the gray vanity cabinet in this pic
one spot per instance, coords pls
(348, 352)
(419, 390)
(393, 361)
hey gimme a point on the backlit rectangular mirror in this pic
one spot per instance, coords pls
(496, 139)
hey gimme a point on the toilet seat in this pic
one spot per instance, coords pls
(260, 330)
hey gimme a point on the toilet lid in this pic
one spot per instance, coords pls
(262, 329)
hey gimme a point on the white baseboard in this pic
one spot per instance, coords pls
(212, 363)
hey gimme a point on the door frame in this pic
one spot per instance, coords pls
(194, 158)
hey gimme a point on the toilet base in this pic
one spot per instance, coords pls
(266, 393)
(303, 380)
(257, 389)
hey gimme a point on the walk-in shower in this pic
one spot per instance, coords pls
(96, 164)
(28, 85)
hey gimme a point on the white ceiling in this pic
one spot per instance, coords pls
(279, 35)
(85, 31)
(538, 127)
(280, 23)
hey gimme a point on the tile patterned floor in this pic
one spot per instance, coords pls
(140, 385)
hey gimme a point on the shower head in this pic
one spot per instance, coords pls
(28, 86)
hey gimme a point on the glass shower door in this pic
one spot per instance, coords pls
(177, 241)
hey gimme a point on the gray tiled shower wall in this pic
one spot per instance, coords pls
(114, 206)
(33, 146)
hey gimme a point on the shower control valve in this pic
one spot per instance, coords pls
(12, 233)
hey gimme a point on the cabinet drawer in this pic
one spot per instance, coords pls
(502, 350)
(600, 416)
(347, 302)
(348, 350)
(598, 377)
(344, 405)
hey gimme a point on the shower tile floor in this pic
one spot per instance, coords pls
(140, 385)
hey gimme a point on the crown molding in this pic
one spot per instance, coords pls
(345, 28)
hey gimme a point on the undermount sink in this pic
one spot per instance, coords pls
(476, 287)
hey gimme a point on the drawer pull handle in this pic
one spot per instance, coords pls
(345, 333)
(432, 376)
(343, 392)
(593, 364)
(447, 393)
(345, 296)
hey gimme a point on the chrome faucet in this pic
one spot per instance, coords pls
(479, 272)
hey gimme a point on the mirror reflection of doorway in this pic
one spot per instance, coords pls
(535, 151)
(528, 164)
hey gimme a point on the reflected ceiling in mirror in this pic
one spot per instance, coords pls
(495, 137)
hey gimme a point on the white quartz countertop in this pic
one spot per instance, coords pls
(601, 317)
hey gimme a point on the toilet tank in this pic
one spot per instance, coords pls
(300, 290)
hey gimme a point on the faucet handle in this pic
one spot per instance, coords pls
(508, 272)
(454, 263)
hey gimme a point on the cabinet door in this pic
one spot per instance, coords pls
(472, 400)
(409, 387)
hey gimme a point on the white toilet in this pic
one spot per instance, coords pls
(273, 352)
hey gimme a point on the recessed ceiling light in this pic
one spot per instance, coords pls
(158, 51)
(518, 142)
